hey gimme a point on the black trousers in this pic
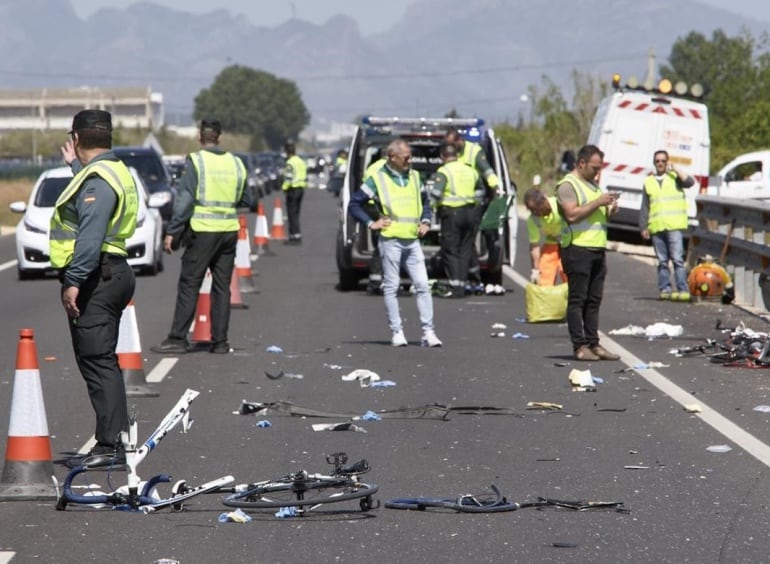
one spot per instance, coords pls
(214, 251)
(101, 302)
(293, 206)
(586, 270)
(458, 229)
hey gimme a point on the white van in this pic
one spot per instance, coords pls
(747, 176)
(629, 126)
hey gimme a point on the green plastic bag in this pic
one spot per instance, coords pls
(546, 303)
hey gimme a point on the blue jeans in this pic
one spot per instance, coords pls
(396, 253)
(669, 246)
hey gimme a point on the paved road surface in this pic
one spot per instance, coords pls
(687, 505)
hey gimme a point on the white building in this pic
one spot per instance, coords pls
(53, 108)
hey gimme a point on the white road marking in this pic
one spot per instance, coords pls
(161, 370)
(6, 266)
(731, 431)
(6, 557)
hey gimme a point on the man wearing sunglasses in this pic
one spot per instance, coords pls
(663, 218)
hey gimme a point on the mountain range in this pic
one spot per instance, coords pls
(478, 58)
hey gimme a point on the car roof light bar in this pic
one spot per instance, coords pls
(457, 122)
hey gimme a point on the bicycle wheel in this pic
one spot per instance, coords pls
(298, 493)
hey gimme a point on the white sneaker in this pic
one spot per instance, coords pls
(489, 289)
(398, 339)
(429, 339)
(499, 290)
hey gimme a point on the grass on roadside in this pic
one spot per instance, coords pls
(11, 191)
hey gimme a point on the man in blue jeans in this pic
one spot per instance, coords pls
(405, 216)
(663, 217)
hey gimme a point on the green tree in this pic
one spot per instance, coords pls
(256, 103)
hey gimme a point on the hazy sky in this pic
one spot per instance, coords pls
(272, 12)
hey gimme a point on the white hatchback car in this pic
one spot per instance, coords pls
(145, 247)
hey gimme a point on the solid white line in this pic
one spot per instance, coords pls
(6, 557)
(731, 431)
(161, 370)
(6, 266)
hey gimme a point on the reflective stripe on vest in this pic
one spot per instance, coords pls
(298, 173)
(64, 222)
(591, 231)
(402, 204)
(220, 188)
(668, 206)
(460, 186)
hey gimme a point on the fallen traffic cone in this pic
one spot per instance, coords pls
(243, 261)
(28, 471)
(261, 234)
(236, 301)
(278, 231)
(202, 328)
(129, 351)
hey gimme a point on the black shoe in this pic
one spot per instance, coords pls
(99, 456)
(170, 346)
(223, 347)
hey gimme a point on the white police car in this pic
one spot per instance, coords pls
(145, 247)
(494, 247)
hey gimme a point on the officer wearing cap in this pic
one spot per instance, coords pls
(294, 184)
(93, 217)
(205, 222)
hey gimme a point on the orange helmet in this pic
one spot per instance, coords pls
(708, 280)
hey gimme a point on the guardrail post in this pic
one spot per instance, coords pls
(739, 281)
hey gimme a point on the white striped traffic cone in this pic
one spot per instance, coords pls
(28, 470)
(261, 233)
(129, 351)
(201, 331)
(278, 231)
(243, 260)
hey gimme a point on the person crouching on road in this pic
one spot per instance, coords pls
(663, 217)
(544, 227)
(211, 189)
(405, 216)
(585, 207)
(92, 219)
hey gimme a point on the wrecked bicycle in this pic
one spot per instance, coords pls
(136, 494)
(303, 491)
(495, 502)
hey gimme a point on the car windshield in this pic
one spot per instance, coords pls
(425, 156)
(149, 167)
(49, 191)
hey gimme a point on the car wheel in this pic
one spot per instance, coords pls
(27, 274)
(348, 280)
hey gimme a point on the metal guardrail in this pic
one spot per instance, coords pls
(737, 232)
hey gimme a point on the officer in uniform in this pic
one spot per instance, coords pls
(471, 154)
(205, 221)
(663, 217)
(585, 208)
(403, 219)
(457, 200)
(294, 184)
(92, 219)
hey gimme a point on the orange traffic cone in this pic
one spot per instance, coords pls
(261, 234)
(243, 261)
(278, 231)
(236, 301)
(129, 351)
(202, 327)
(28, 470)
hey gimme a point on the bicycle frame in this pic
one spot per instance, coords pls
(136, 496)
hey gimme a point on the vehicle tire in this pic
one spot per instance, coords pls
(288, 493)
(28, 274)
(348, 280)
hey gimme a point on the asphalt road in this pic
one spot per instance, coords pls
(631, 441)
